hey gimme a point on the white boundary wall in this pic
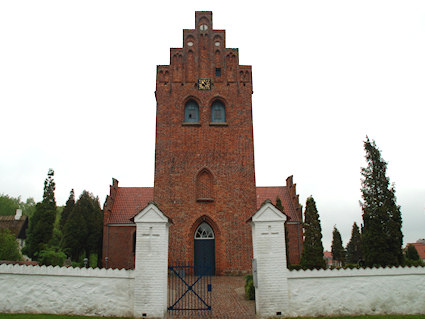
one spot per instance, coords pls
(60, 290)
(356, 291)
(325, 292)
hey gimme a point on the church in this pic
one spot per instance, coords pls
(204, 164)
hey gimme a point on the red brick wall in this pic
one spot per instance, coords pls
(295, 242)
(226, 151)
(119, 250)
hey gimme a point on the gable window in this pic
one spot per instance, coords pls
(218, 112)
(191, 112)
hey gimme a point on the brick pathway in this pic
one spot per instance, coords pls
(228, 301)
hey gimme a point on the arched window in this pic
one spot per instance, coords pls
(218, 112)
(191, 112)
(204, 186)
(204, 231)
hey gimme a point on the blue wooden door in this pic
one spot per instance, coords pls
(205, 257)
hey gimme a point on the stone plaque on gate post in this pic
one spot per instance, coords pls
(268, 236)
(150, 282)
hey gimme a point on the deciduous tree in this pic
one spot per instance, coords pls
(9, 205)
(9, 249)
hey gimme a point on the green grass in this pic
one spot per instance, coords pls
(43, 316)
(363, 317)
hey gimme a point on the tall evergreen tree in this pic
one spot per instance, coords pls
(70, 203)
(83, 228)
(382, 238)
(40, 229)
(312, 255)
(354, 250)
(338, 252)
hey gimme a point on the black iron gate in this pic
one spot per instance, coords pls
(189, 290)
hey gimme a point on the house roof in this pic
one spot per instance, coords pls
(126, 202)
(420, 247)
(16, 227)
(272, 193)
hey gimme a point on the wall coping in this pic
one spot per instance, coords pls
(66, 271)
(362, 272)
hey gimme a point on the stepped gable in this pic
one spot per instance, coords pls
(288, 196)
(126, 202)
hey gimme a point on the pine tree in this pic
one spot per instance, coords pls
(312, 255)
(338, 252)
(40, 229)
(354, 251)
(381, 232)
(70, 203)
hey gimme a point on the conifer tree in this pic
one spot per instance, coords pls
(338, 252)
(40, 229)
(70, 203)
(381, 232)
(412, 253)
(312, 255)
(354, 250)
(83, 228)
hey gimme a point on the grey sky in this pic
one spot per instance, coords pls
(77, 82)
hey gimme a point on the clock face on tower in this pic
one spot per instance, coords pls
(204, 84)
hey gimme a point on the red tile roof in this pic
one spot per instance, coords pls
(129, 201)
(282, 192)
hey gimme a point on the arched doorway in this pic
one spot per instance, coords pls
(204, 250)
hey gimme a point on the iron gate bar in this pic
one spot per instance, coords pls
(189, 288)
(180, 278)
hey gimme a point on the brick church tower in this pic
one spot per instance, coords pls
(204, 157)
(204, 163)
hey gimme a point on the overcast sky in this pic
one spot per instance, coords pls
(77, 82)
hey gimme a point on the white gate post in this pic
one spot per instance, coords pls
(268, 236)
(150, 282)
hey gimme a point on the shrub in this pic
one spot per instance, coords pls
(51, 256)
(249, 287)
(9, 249)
